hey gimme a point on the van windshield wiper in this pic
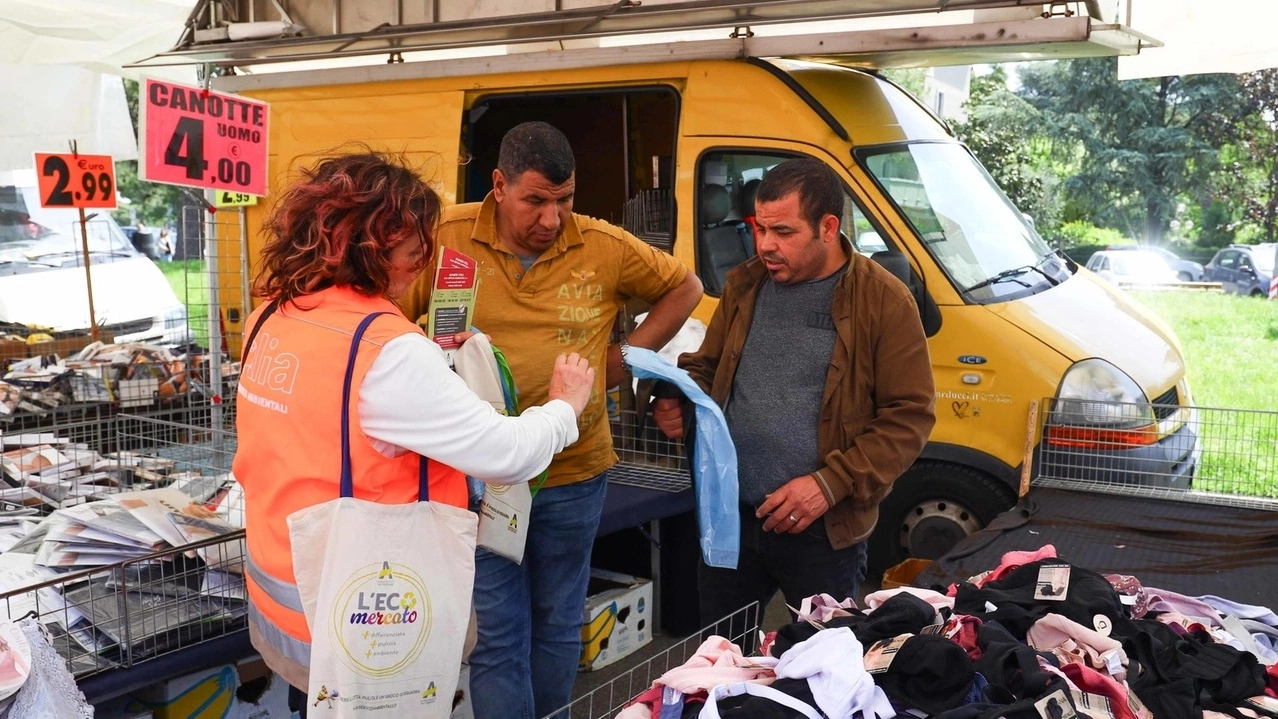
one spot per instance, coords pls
(28, 262)
(68, 253)
(1014, 273)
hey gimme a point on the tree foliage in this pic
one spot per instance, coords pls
(996, 131)
(151, 202)
(1133, 148)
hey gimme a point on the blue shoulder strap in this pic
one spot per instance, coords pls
(348, 482)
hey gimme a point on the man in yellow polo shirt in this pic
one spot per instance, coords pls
(550, 282)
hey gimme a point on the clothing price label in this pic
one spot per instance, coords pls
(67, 180)
(880, 655)
(1102, 624)
(1055, 706)
(1091, 705)
(1053, 583)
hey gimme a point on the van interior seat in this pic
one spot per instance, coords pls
(721, 246)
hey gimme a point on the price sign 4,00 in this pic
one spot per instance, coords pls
(73, 180)
(200, 138)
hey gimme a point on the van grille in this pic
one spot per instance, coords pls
(1166, 404)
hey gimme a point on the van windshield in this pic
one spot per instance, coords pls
(989, 249)
(40, 238)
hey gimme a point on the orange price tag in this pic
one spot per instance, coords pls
(67, 180)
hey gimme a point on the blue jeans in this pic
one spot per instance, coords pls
(529, 617)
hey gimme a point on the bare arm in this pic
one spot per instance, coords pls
(665, 318)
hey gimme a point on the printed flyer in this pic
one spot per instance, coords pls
(452, 302)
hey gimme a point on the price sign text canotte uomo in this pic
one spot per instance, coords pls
(200, 138)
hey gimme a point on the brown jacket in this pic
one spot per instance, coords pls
(878, 405)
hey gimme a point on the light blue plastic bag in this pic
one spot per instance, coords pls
(714, 462)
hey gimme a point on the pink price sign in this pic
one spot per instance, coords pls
(200, 138)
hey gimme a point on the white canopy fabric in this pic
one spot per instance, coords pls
(1199, 37)
(102, 35)
(46, 106)
(60, 62)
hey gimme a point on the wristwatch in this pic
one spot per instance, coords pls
(625, 356)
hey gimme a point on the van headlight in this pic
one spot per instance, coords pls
(1099, 407)
(175, 318)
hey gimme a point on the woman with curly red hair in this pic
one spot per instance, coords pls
(344, 243)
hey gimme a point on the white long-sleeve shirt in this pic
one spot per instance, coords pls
(411, 401)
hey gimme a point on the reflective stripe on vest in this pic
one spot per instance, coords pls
(281, 592)
(291, 648)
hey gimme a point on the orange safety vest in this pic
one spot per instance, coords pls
(288, 429)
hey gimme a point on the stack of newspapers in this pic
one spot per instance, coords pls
(128, 525)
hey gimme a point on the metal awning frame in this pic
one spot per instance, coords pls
(624, 17)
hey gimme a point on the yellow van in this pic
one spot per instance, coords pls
(672, 151)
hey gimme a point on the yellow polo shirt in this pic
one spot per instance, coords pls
(567, 301)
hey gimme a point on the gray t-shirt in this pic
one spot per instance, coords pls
(775, 406)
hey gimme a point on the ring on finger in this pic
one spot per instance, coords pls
(794, 518)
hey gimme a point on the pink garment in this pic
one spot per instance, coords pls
(963, 630)
(823, 607)
(1093, 682)
(1163, 600)
(936, 599)
(718, 661)
(1073, 643)
(1012, 560)
(1133, 593)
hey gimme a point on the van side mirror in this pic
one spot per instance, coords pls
(896, 263)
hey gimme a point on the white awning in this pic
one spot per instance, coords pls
(1201, 37)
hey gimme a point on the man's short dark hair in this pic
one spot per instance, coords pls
(820, 190)
(536, 146)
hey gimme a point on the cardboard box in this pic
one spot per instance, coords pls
(617, 620)
(247, 690)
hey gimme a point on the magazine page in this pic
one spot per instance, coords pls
(152, 507)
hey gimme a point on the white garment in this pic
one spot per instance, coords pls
(448, 423)
(50, 691)
(832, 660)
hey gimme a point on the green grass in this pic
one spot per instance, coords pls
(1230, 343)
(190, 284)
(1231, 353)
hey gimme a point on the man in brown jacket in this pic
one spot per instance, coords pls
(819, 360)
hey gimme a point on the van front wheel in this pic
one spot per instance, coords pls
(932, 506)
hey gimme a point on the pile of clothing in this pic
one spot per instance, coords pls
(1034, 638)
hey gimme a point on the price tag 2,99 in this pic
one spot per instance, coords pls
(200, 138)
(72, 180)
(233, 199)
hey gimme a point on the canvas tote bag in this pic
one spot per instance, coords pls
(386, 589)
(504, 512)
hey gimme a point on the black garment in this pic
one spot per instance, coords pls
(1087, 595)
(800, 565)
(901, 614)
(1012, 668)
(748, 706)
(1177, 676)
(930, 673)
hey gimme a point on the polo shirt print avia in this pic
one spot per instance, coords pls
(566, 301)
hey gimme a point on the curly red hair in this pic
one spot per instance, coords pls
(339, 223)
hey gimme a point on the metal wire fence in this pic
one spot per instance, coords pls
(741, 628)
(647, 458)
(150, 603)
(1220, 456)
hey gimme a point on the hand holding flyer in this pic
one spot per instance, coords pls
(452, 299)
